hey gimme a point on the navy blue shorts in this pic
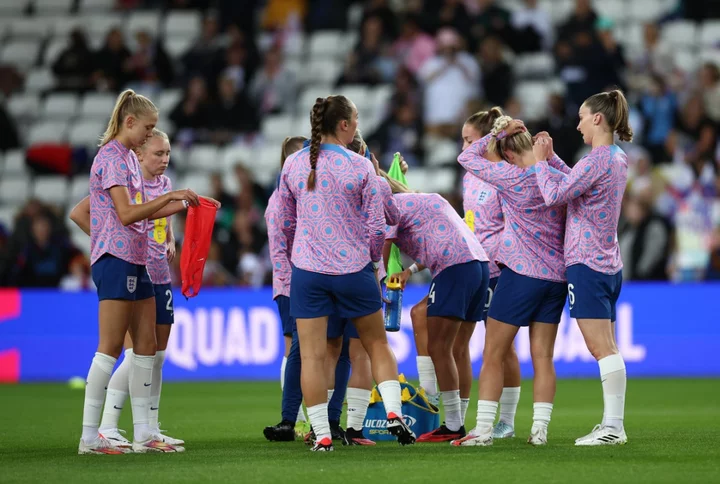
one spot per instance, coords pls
(288, 322)
(592, 294)
(459, 291)
(488, 299)
(338, 326)
(164, 313)
(313, 295)
(118, 279)
(520, 300)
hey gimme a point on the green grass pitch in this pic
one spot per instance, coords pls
(673, 428)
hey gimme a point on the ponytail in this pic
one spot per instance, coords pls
(128, 104)
(483, 121)
(290, 145)
(614, 107)
(316, 123)
(516, 143)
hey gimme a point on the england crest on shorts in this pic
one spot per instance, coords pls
(131, 284)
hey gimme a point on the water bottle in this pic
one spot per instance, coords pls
(393, 308)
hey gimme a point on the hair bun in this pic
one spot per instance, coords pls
(500, 124)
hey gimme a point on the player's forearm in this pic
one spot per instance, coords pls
(80, 215)
(131, 213)
(169, 210)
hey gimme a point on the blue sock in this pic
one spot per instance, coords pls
(342, 376)
(292, 393)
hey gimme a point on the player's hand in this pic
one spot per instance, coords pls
(382, 295)
(376, 163)
(171, 251)
(514, 127)
(542, 149)
(213, 201)
(190, 196)
(541, 134)
(401, 277)
(403, 165)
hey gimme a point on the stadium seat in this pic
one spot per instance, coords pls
(680, 33)
(327, 44)
(97, 105)
(419, 179)
(613, 9)
(204, 158)
(21, 53)
(354, 16)
(534, 66)
(276, 127)
(96, 5)
(100, 24)
(240, 154)
(442, 153)
(533, 97)
(7, 216)
(13, 8)
(61, 106)
(559, 9)
(79, 188)
(53, 50)
(320, 71)
(176, 46)
(710, 55)
(301, 125)
(687, 60)
(360, 95)
(86, 132)
(62, 26)
(24, 106)
(140, 20)
(178, 158)
(266, 164)
(306, 100)
(45, 7)
(442, 180)
(168, 99)
(710, 33)
(199, 182)
(648, 10)
(39, 80)
(183, 24)
(15, 164)
(295, 46)
(31, 28)
(14, 189)
(51, 189)
(47, 131)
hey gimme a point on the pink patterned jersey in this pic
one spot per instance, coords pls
(157, 264)
(115, 165)
(532, 240)
(432, 233)
(339, 227)
(484, 216)
(593, 191)
(392, 213)
(279, 248)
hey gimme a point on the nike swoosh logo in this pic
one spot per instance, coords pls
(147, 384)
(154, 408)
(117, 408)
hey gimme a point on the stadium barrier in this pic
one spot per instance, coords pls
(663, 330)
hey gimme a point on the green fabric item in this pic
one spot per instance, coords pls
(394, 264)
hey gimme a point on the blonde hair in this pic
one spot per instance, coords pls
(483, 121)
(358, 144)
(128, 104)
(290, 145)
(156, 133)
(517, 143)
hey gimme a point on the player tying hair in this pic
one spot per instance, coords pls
(484, 216)
(594, 191)
(431, 232)
(531, 288)
(119, 247)
(154, 157)
(332, 211)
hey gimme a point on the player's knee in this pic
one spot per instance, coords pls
(460, 351)
(418, 315)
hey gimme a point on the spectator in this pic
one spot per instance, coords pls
(75, 65)
(9, 136)
(370, 62)
(644, 242)
(710, 88)
(401, 132)
(450, 80)
(658, 107)
(563, 129)
(452, 13)
(273, 89)
(414, 47)
(654, 57)
(228, 206)
(202, 56)
(278, 13)
(533, 28)
(388, 18)
(581, 21)
(234, 67)
(491, 20)
(232, 114)
(78, 277)
(694, 137)
(497, 79)
(193, 114)
(111, 62)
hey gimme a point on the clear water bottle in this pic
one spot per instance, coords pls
(393, 308)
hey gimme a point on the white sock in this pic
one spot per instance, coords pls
(453, 412)
(392, 398)
(464, 403)
(541, 414)
(508, 405)
(282, 373)
(318, 415)
(117, 393)
(330, 394)
(358, 400)
(155, 390)
(140, 387)
(97, 381)
(301, 415)
(486, 411)
(426, 372)
(614, 383)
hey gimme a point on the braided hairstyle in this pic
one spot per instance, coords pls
(483, 121)
(324, 118)
(517, 143)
